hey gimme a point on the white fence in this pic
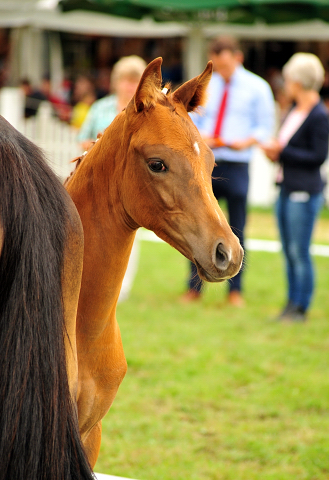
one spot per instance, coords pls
(56, 138)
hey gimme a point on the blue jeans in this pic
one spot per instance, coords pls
(296, 215)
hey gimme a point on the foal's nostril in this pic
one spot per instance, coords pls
(220, 256)
(222, 260)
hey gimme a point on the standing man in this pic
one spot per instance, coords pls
(238, 115)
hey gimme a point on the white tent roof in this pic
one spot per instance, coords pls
(83, 22)
(312, 30)
(43, 14)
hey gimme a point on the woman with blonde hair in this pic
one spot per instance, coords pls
(125, 77)
(300, 148)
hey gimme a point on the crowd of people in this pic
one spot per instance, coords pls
(35, 95)
(71, 100)
(291, 127)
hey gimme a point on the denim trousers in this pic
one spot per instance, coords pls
(296, 214)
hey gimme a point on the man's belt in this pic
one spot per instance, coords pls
(220, 161)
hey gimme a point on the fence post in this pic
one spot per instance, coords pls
(12, 105)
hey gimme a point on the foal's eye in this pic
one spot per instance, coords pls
(157, 166)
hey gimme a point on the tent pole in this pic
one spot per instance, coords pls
(194, 55)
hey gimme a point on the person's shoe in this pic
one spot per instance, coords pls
(298, 315)
(235, 298)
(190, 296)
(288, 309)
(293, 313)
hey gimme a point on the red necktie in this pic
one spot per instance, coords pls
(221, 111)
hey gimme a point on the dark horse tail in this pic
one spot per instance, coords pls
(39, 436)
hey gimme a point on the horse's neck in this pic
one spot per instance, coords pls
(108, 239)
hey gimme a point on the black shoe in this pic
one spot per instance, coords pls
(287, 311)
(293, 313)
(299, 315)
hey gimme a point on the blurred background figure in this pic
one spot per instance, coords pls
(125, 76)
(282, 101)
(43, 93)
(33, 98)
(83, 96)
(102, 82)
(60, 104)
(300, 148)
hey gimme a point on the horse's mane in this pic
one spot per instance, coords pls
(39, 438)
(78, 160)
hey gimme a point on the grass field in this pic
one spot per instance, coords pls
(216, 393)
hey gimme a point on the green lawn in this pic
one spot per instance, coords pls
(217, 393)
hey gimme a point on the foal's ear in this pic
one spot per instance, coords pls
(149, 87)
(192, 94)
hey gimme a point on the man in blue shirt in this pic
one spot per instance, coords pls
(239, 114)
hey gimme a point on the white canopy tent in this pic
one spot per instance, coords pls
(31, 17)
(28, 22)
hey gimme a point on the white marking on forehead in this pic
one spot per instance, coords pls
(165, 90)
(196, 148)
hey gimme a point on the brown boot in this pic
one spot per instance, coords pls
(235, 298)
(190, 296)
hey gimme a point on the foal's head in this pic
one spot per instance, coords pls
(167, 176)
